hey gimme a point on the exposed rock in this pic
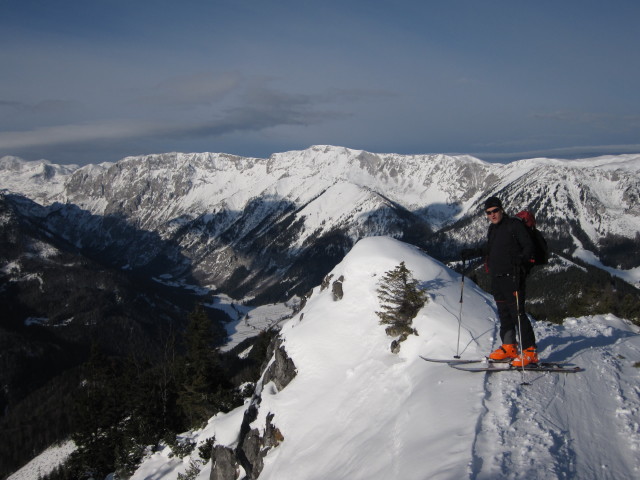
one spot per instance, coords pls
(325, 282)
(252, 454)
(336, 288)
(253, 445)
(400, 331)
(272, 435)
(282, 370)
(303, 301)
(245, 453)
(224, 465)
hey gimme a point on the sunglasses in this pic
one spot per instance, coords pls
(491, 212)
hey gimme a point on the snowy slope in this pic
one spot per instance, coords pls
(356, 411)
(350, 387)
(39, 180)
(44, 463)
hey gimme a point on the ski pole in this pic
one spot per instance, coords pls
(457, 355)
(517, 277)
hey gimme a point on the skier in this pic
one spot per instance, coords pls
(508, 249)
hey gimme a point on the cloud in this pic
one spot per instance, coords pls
(256, 107)
(12, 105)
(574, 117)
(608, 121)
(188, 91)
(261, 108)
(63, 134)
(50, 106)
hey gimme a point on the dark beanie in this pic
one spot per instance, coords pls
(493, 202)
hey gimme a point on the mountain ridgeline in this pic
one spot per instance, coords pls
(266, 229)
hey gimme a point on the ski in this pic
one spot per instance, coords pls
(540, 367)
(461, 361)
(451, 360)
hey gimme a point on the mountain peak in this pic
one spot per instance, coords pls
(208, 202)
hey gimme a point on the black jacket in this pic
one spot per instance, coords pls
(508, 245)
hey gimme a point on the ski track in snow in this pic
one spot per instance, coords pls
(522, 428)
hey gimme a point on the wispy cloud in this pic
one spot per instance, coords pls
(603, 120)
(41, 107)
(202, 88)
(80, 133)
(255, 108)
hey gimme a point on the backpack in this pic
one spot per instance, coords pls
(540, 248)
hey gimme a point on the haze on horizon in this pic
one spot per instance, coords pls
(88, 82)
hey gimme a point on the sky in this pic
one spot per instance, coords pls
(88, 82)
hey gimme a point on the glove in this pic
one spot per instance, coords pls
(468, 253)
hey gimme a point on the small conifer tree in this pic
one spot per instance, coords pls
(205, 390)
(201, 375)
(401, 299)
(98, 414)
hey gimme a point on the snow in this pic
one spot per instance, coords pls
(575, 426)
(631, 276)
(369, 413)
(357, 411)
(35, 321)
(40, 179)
(248, 321)
(628, 162)
(164, 465)
(44, 463)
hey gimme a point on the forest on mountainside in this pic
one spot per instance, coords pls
(114, 407)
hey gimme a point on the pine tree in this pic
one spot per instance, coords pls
(151, 411)
(401, 298)
(98, 414)
(203, 379)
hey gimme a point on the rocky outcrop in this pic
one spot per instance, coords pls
(255, 441)
(224, 465)
(255, 445)
(336, 288)
(281, 371)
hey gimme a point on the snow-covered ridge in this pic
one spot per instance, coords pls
(356, 411)
(39, 180)
(443, 188)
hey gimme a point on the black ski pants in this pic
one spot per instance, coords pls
(503, 288)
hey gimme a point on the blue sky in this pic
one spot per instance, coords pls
(93, 81)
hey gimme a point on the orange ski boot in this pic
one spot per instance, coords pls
(504, 352)
(528, 357)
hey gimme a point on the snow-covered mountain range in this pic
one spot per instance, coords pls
(251, 226)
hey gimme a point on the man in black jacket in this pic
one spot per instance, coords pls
(508, 249)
